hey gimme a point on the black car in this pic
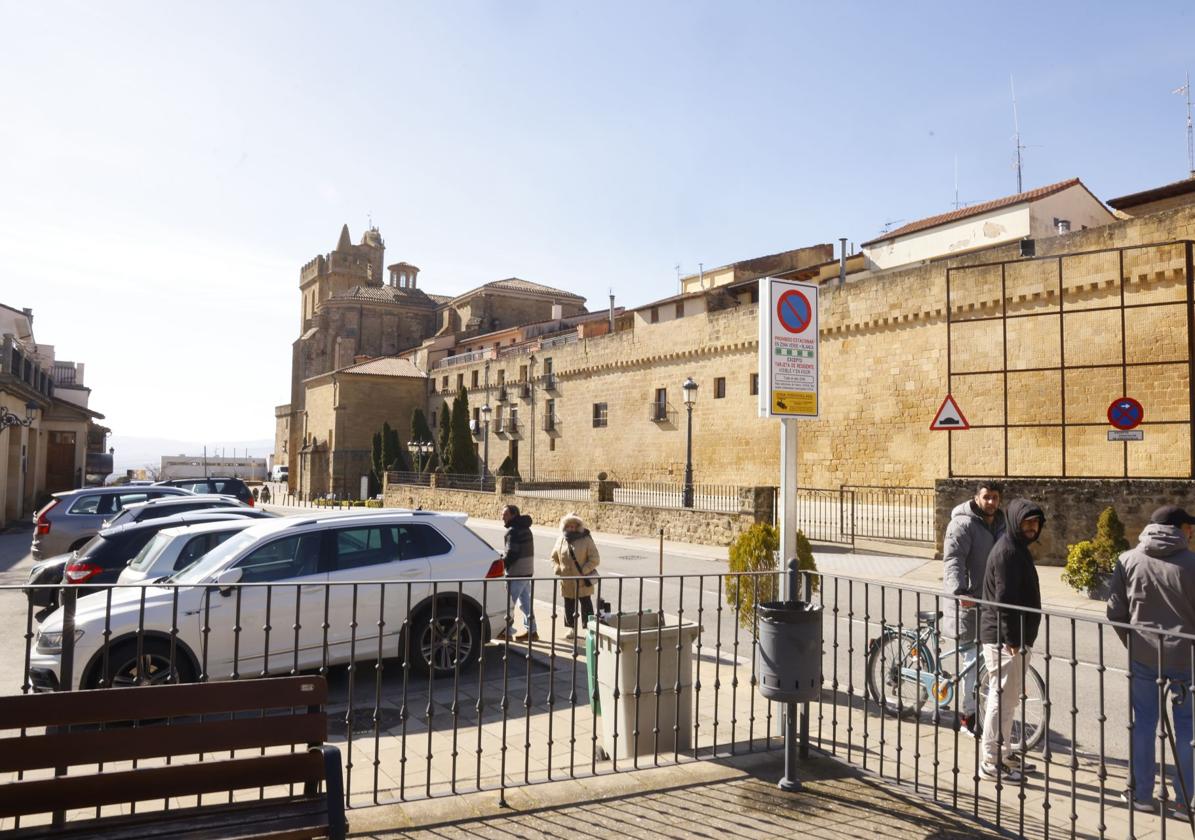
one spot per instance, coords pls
(220, 485)
(105, 555)
(171, 506)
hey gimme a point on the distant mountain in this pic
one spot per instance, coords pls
(136, 452)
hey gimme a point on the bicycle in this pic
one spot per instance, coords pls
(906, 665)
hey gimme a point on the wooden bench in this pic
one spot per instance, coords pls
(195, 727)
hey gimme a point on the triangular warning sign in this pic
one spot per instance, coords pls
(949, 417)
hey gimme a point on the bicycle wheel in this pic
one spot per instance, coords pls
(898, 693)
(1030, 720)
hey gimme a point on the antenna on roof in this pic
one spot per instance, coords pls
(888, 225)
(1016, 128)
(956, 204)
(678, 283)
(1186, 89)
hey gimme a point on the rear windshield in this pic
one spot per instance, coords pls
(145, 558)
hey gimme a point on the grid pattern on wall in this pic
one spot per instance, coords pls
(1039, 348)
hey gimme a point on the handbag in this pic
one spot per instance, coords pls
(602, 606)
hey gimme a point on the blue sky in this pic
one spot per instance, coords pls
(166, 168)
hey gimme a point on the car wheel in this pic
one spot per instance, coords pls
(445, 644)
(127, 668)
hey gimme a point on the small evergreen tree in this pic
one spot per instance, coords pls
(508, 468)
(1090, 562)
(462, 457)
(445, 439)
(377, 472)
(757, 550)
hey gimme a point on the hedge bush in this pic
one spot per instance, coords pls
(1090, 562)
(757, 550)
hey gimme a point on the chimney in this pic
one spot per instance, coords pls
(1062, 225)
(612, 312)
(841, 260)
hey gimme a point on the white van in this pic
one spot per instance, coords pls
(279, 473)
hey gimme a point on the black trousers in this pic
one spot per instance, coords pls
(570, 610)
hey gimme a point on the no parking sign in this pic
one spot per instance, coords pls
(788, 348)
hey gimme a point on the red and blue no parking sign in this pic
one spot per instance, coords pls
(1126, 413)
(794, 311)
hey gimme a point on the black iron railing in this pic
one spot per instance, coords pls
(427, 704)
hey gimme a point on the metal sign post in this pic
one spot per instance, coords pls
(788, 376)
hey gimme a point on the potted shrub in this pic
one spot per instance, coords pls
(1089, 563)
(757, 550)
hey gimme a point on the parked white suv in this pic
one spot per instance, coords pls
(329, 583)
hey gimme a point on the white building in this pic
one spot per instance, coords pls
(1036, 214)
(196, 466)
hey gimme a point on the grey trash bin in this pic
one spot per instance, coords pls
(788, 661)
(618, 665)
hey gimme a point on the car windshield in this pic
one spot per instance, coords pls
(150, 552)
(214, 559)
(121, 518)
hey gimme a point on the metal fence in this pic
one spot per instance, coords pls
(715, 498)
(890, 513)
(423, 708)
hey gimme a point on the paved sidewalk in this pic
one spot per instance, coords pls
(730, 799)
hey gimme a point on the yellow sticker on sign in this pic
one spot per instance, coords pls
(794, 402)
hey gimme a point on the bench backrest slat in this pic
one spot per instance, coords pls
(107, 705)
(58, 749)
(150, 783)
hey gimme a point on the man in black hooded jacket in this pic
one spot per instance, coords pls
(1008, 632)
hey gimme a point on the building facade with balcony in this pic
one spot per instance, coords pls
(50, 440)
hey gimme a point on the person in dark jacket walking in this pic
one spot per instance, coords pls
(519, 560)
(1153, 586)
(1008, 632)
(974, 527)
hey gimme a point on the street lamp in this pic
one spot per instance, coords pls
(689, 389)
(485, 458)
(7, 418)
(419, 448)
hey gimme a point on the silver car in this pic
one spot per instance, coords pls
(72, 517)
(173, 549)
(171, 505)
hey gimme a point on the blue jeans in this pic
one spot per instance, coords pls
(1144, 696)
(520, 593)
(965, 667)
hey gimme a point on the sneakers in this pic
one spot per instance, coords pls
(1004, 773)
(1150, 807)
(525, 635)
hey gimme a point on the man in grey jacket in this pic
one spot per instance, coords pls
(1153, 586)
(974, 527)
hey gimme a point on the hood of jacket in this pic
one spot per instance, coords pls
(1018, 511)
(573, 536)
(520, 521)
(966, 510)
(1162, 540)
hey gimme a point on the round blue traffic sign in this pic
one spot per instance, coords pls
(1126, 413)
(794, 311)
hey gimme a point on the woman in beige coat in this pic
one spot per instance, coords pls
(575, 558)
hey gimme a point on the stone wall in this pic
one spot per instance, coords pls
(884, 371)
(1072, 506)
(701, 527)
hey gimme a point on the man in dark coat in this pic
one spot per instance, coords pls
(974, 527)
(519, 560)
(1008, 632)
(1153, 587)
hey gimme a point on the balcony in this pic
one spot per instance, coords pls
(658, 412)
(550, 423)
(508, 428)
(503, 395)
(525, 390)
(549, 382)
(462, 359)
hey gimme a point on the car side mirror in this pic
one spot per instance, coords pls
(225, 580)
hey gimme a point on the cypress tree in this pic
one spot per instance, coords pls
(463, 459)
(421, 433)
(445, 438)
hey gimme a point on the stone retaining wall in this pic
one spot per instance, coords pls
(679, 524)
(1072, 506)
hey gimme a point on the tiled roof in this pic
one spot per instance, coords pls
(524, 287)
(1155, 194)
(974, 210)
(386, 294)
(439, 299)
(386, 366)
